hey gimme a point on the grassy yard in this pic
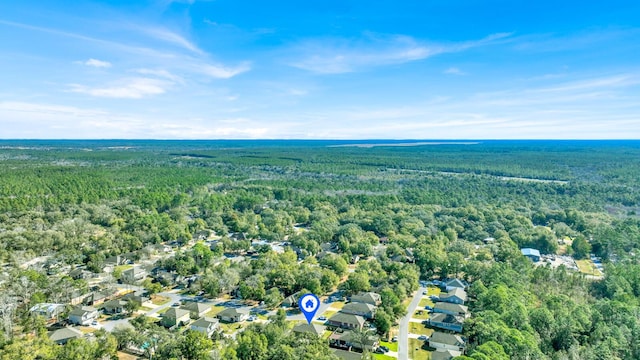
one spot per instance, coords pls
(587, 267)
(214, 311)
(159, 300)
(163, 311)
(419, 329)
(420, 314)
(122, 268)
(433, 291)
(230, 328)
(424, 302)
(393, 346)
(329, 313)
(326, 334)
(416, 352)
(337, 305)
(145, 309)
(383, 357)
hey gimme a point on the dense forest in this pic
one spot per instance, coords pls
(81, 202)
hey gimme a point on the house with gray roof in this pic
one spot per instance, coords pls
(232, 315)
(349, 341)
(454, 296)
(314, 329)
(365, 310)
(455, 284)
(47, 310)
(62, 336)
(368, 298)
(346, 321)
(175, 317)
(452, 309)
(443, 341)
(196, 309)
(442, 354)
(446, 322)
(83, 315)
(206, 325)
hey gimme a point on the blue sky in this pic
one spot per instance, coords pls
(441, 69)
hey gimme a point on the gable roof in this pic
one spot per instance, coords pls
(358, 307)
(446, 318)
(65, 333)
(441, 354)
(451, 307)
(232, 312)
(367, 297)
(458, 292)
(449, 339)
(347, 318)
(349, 336)
(309, 328)
(196, 306)
(456, 283)
(114, 303)
(175, 313)
(81, 310)
(204, 322)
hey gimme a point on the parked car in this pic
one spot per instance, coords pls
(428, 308)
(394, 339)
(175, 304)
(322, 318)
(423, 337)
(384, 348)
(378, 351)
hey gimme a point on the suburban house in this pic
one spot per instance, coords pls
(455, 284)
(407, 257)
(446, 322)
(115, 306)
(83, 315)
(133, 275)
(290, 301)
(314, 329)
(175, 317)
(365, 310)
(116, 260)
(62, 336)
(233, 315)
(206, 325)
(346, 321)
(443, 341)
(348, 341)
(368, 298)
(455, 296)
(441, 354)
(197, 310)
(137, 296)
(47, 310)
(451, 309)
(80, 273)
(532, 254)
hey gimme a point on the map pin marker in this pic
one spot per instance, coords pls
(309, 305)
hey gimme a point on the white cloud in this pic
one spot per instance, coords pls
(96, 63)
(171, 37)
(134, 88)
(222, 72)
(335, 56)
(454, 71)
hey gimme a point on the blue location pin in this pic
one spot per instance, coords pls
(309, 305)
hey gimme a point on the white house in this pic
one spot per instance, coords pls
(206, 325)
(442, 341)
(83, 315)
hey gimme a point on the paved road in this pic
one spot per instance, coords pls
(403, 336)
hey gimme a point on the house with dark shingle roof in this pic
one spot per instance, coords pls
(349, 341)
(346, 321)
(446, 322)
(455, 284)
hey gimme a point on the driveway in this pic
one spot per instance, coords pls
(403, 336)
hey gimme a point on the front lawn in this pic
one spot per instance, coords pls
(421, 314)
(159, 300)
(383, 357)
(393, 346)
(419, 329)
(214, 311)
(416, 352)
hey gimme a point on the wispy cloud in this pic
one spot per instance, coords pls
(222, 72)
(134, 88)
(171, 37)
(335, 56)
(454, 71)
(96, 63)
